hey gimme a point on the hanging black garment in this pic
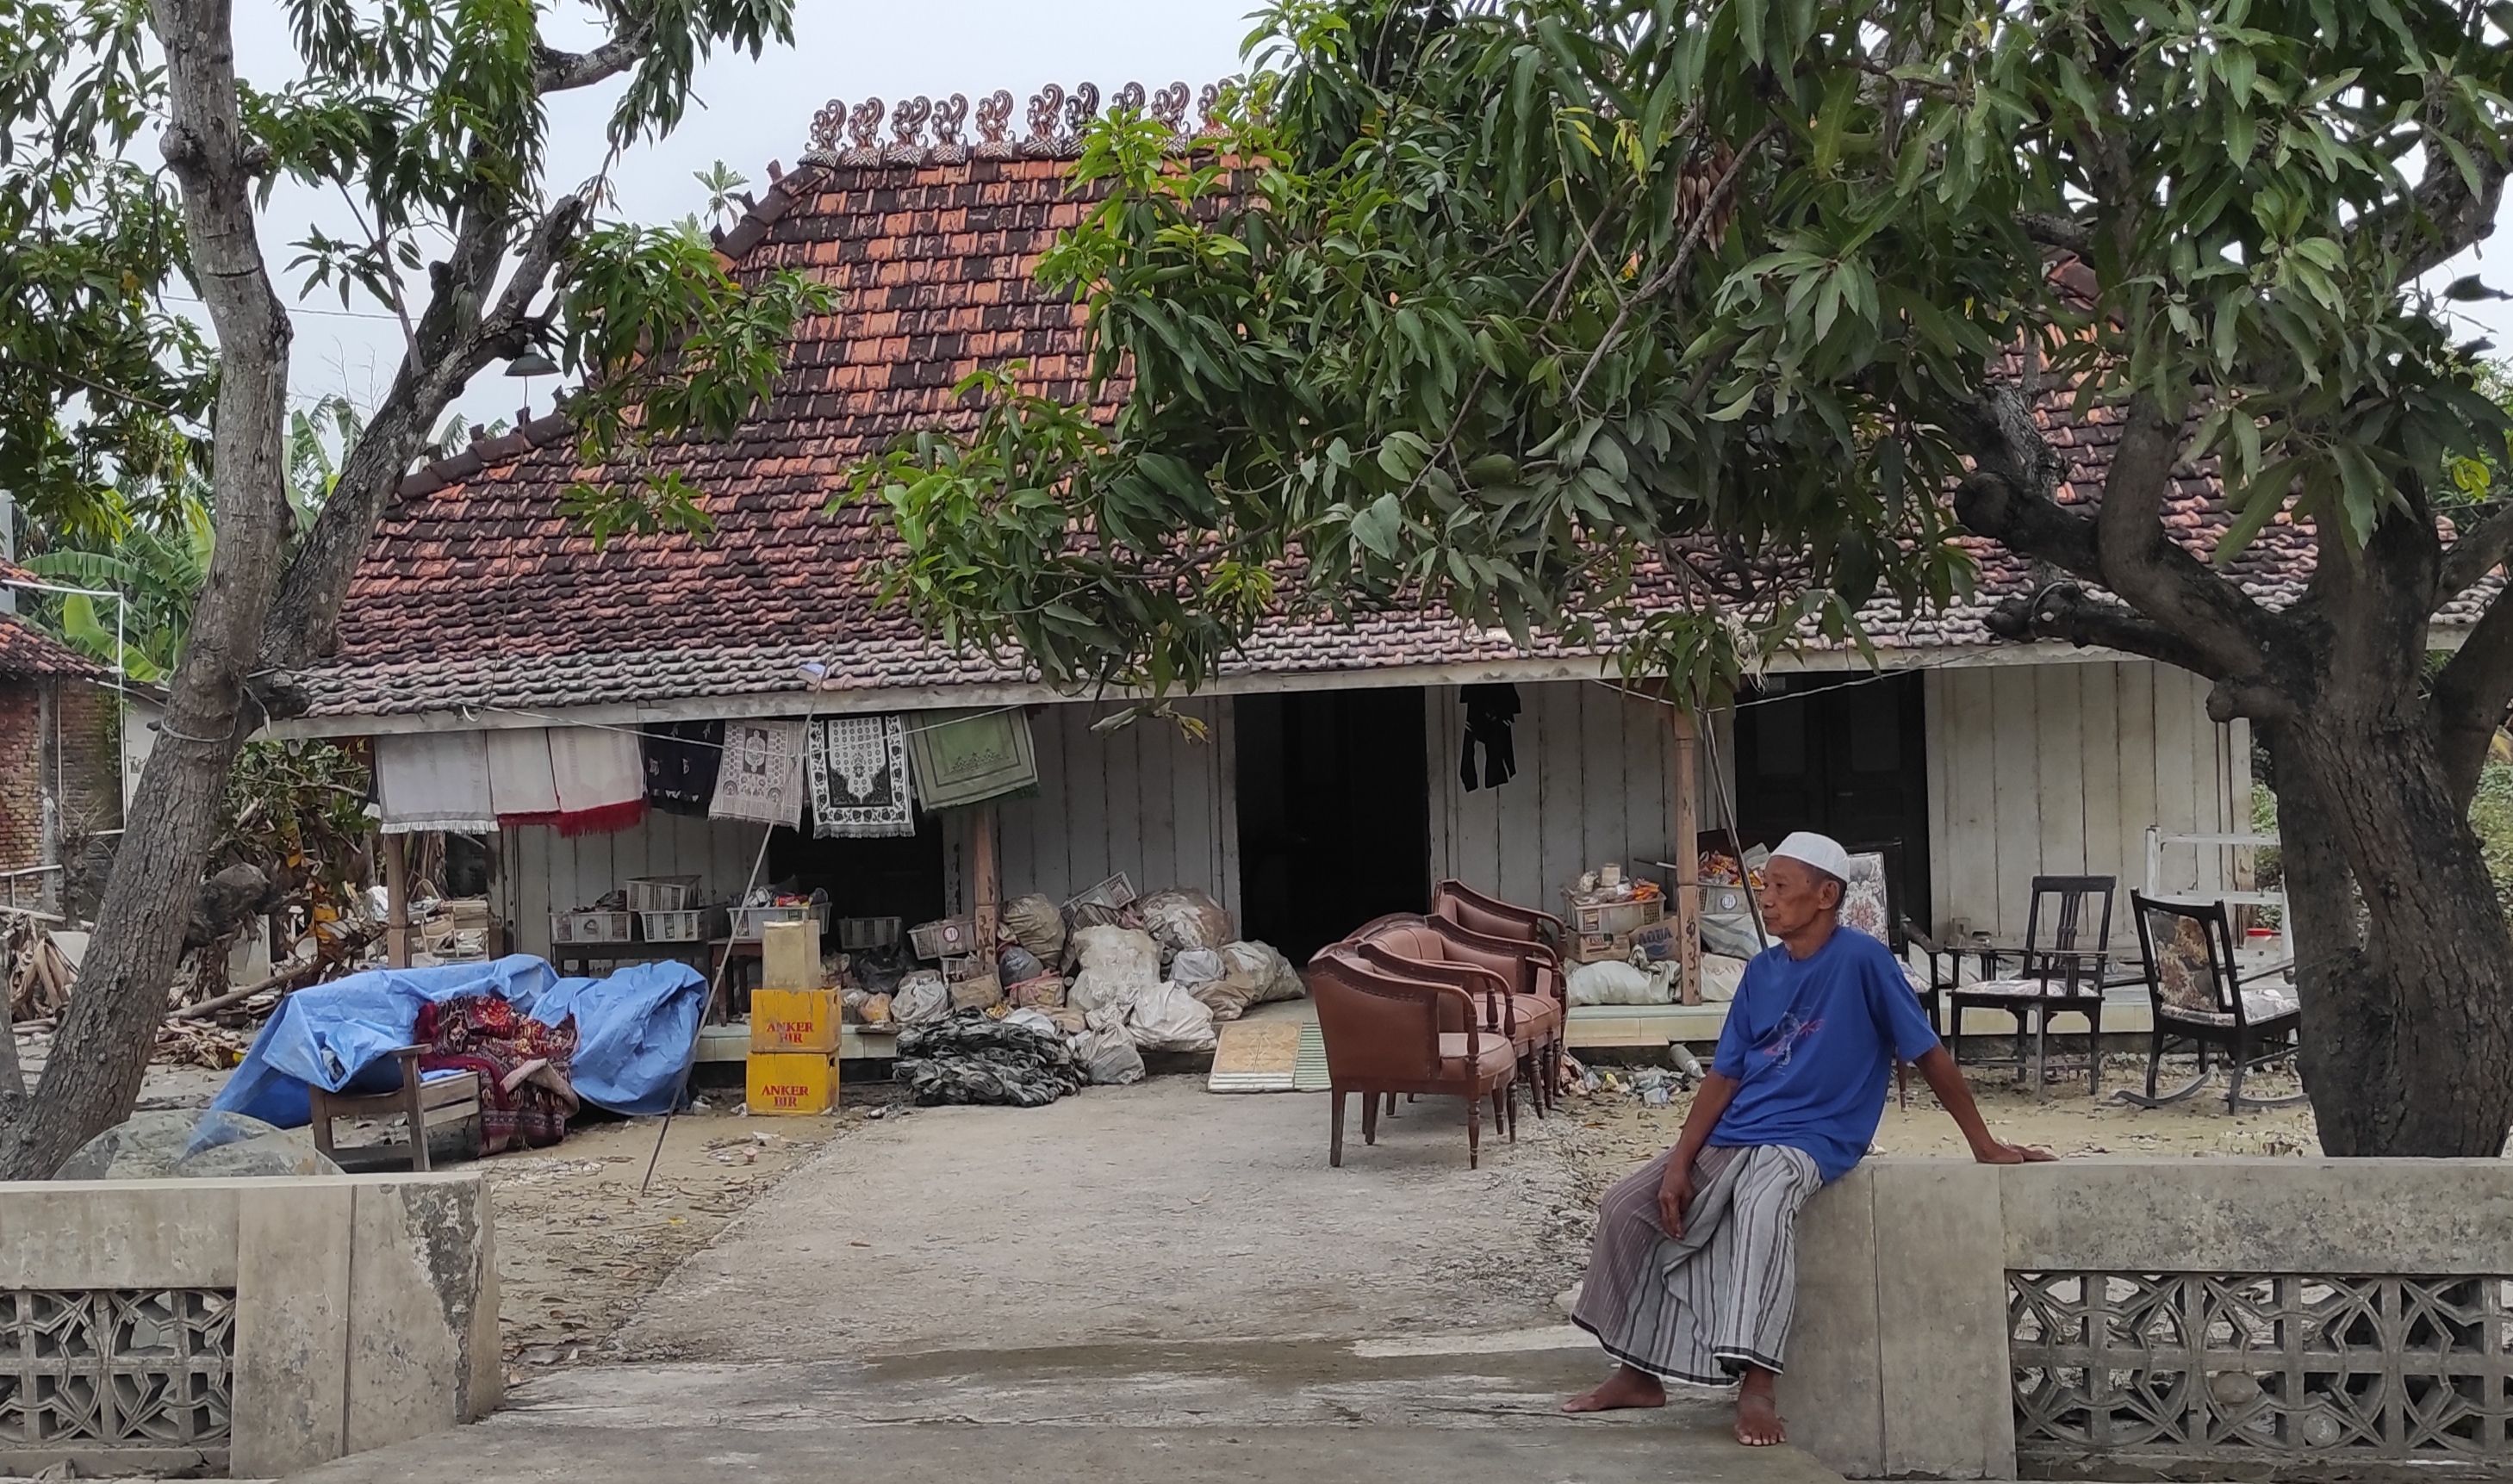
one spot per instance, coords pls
(682, 759)
(1490, 710)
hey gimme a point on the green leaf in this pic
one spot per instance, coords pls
(1377, 526)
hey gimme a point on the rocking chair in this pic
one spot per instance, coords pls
(2197, 992)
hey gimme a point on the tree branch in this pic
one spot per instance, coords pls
(557, 71)
(2471, 695)
(2441, 218)
(2476, 552)
(2054, 229)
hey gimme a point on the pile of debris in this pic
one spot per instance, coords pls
(1652, 1086)
(1113, 976)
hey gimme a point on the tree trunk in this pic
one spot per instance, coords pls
(2405, 961)
(102, 1045)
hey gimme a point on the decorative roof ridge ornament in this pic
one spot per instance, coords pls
(1056, 118)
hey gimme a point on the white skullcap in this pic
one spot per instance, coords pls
(1821, 851)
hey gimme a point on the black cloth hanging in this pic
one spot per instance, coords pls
(1490, 710)
(682, 759)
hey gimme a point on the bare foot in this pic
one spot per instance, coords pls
(1626, 1388)
(1758, 1411)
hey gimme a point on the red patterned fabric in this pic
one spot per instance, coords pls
(485, 1034)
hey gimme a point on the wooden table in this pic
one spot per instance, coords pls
(582, 956)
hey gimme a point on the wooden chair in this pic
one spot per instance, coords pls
(1456, 902)
(2058, 971)
(419, 1103)
(1387, 1034)
(2195, 990)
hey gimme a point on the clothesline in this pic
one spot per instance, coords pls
(1956, 663)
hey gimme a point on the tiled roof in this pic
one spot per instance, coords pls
(478, 591)
(25, 649)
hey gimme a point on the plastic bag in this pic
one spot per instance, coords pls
(1043, 992)
(851, 1005)
(1729, 934)
(880, 969)
(1272, 974)
(1170, 1019)
(922, 998)
(1616, 983)
(983, 993)
(1037, 926)
(1182, 918)
(876, 1010)
(1226, 997)
(1108, 1056)
(1017, 963)
(1720, 976)
(1119, 967)
(1195, 967)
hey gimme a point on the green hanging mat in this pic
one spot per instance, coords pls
(965, 757)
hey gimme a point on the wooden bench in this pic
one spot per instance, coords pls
(419, 1103)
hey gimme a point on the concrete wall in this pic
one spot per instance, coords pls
(1901, 1363)
(365, 1308)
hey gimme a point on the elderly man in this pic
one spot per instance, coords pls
(1694, 1277)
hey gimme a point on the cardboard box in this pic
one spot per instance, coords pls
(792, 1084)
(789, 955)
(794, 1021)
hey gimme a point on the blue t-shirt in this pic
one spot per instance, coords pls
(1812, 1043)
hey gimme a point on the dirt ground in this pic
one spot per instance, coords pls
(1617, 1131)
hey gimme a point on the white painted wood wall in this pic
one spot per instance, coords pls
(1591, 789)
(1145, 799)
(2034, 769)
(2059, 769)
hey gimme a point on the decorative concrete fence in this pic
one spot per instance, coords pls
(2309, 1316)
(261, 1326)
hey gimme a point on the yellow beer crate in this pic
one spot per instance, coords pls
(794, 1021)
(792, 1084)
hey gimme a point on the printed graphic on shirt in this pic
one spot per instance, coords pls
(1791, 1033)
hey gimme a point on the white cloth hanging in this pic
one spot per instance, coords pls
(434, 780)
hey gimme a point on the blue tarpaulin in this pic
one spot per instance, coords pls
(633, 1032)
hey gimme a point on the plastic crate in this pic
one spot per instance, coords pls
(949, 938)
(1116, 894)
(593, 926)
(749, 924)
(686, 925)
(663, 893)
(856, 934)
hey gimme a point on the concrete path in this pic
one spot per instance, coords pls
(1141, 1285)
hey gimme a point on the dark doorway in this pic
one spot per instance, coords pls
(1334, 813)
(1845, 756)
(900, 878)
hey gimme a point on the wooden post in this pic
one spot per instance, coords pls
(983, 865)
(1683, 790)
(397, 901)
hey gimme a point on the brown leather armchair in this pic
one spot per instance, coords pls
(1387, 1034)
(1456, 902)
(1499, 974)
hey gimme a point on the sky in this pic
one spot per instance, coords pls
(751, 112)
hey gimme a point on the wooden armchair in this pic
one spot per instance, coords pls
(2195, 989)
(1456, 902)
(1533, 1025)
(1387, 1034)
(419, 1103)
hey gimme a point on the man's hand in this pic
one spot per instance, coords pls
(1675, 1197)
(1996, 1151)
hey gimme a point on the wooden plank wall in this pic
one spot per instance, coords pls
(1146, 800)
(540, 871)
(2059, 769)
(1591, 788)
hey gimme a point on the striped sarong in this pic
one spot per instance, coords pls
(1701, 1309)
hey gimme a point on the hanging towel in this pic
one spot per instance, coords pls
(601, 779)
(760, 775)
(681, 762)
(1490, 711)
(521, 785)
(434, 780)
(965, 757)
(858, 771)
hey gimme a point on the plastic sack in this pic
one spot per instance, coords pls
(1267, 969)
(1170, 1019)
(1729, 934)
(1043, 992)
(1182, 918)
(922, 998)
(1107, 1056)
(850, 1004)
(1720, 976)
(983, 993)
(1017, 963)
(1119, 967)
(1037, 926)
(1228, 996)
(1196, 967)
(876, 1010)
(1616, 983)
